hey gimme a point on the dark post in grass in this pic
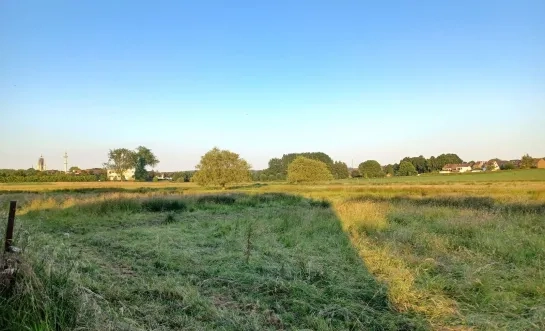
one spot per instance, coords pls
(11, 223)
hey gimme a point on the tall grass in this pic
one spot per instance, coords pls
(39, 293)
(464, 262)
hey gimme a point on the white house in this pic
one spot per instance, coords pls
(163, 176)
(127, 175)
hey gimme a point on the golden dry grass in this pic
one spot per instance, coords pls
(357, 217)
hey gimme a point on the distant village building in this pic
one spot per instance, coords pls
(127, 175)
(540, 164)
(41, 164)
(479, 165)
(95, 171)
(462, 167)
(492, 165)
(165, 176)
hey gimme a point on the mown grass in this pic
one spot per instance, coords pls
(452, 256)
(233, 262)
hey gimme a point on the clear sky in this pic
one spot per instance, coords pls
(355, 79)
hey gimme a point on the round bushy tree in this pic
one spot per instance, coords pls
(371, 169)
(221, 167)
(406, 168)
(303, 169)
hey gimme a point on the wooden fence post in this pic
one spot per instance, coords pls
(11, 223)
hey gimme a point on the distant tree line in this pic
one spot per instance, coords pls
(278, 167)
(182, 176)
(32, 175)
(410, 166)
(223, 167)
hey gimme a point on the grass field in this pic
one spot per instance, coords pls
(378, 255)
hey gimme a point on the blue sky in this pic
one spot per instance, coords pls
(354, 79)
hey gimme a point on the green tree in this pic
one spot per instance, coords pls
(444, 159)
(146, 155)
(432, 164)
(389, 170)
(221, 167)
(120, 160)
(355, 173)
(526, 162)
(281, 165)
(420, 163)
(303, 169)
(276, 166)
(263, 177)
(370, 169)
(406, 168)
(507, 166)
(340, 170)
(396, 168)
(140, 172)
(73, 169)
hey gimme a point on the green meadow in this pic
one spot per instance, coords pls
(331, 256)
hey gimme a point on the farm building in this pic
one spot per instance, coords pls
(540, 164)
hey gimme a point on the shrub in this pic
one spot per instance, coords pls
(217, 199)
(170, 218)
(507, 166)
(160, 205)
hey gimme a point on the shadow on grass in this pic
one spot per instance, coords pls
(476, 203)
(341, 294)
(243, 187)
